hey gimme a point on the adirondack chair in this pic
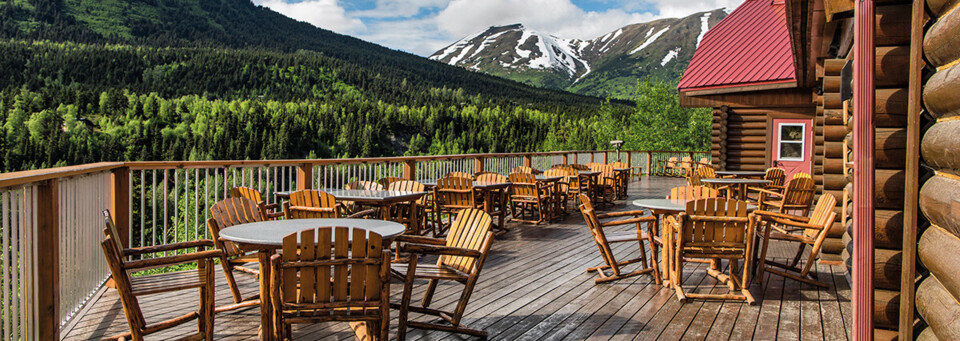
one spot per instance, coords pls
(623, 179)
(461, 257)
(527, 197)
(607, 185)
(578, 166)
(604, 238)
(499, 206)
(776, 177)
(385, 182)
(226, 213)
(692, 193)
(669, 167)
(268, 211)
(525, 169)
(801, 175)
(574, 185)
(796, 198)
(331, 277)
(403, 211)
(131, 288)
(714, 228)
(813, 230)
(459, 175)
(450, 195)
(686, 166)
(351, 207)
(311, 203)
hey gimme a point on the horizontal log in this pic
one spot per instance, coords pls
(747, 139)
(937, 250)
(886, 268)
(835, 133)
(888, 229)
(833, 246)
(747, 132)
(831, 84)
(941, 43)
(747, 160)
(886, 308)
(892, 66)
(938, 309)
(885, 334)
(890, 148)
(938, 198)
(891, 101)
(748, 118)
(749, 146)
(940, 7)
(833, 117)
(892, 25)
(833, 166)
(940, 93)
(832, 100)
(889, 189)
(833, 150)
(746, 153)
(746, 167)
(832, 67)
(941, 145)
(927, 334)
(747, 125)
(834, 181)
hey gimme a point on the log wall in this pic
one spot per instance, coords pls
(937, 296)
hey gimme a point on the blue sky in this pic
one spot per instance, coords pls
(425, 26)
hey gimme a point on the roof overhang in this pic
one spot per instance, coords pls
(725, 89)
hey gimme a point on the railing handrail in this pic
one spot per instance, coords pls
(11, 179)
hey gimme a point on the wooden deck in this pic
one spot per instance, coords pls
(534, 287)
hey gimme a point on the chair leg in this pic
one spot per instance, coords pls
(231, 281)
(761, 263)
(404, 307)
(428, 294)
(207, 300)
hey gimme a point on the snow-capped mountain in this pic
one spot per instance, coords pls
(607, 65)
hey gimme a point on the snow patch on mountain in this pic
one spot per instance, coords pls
(650, 39)
(704, 26)
(615, 35)
(670, 56)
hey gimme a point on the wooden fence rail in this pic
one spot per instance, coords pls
(50, 263)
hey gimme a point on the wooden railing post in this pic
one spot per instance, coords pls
(478, 165)
(120, 202)
(591, 156)
(628, 160)
(649, 156)
(606, 157)
(48, 260)
(527, 160)
(563, 158)
(575, 156)
(304, 176)
(410, 170)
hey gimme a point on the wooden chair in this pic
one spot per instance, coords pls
(226, 213)
(450, 195)
(604, 238)
(350, 207)
(714, 228)
(527, 196)
(331, 277)
(403, 211)
(796, 198)
(669, 167)
(707, 173)
(574, 185)
(801, 175)
(776, 177)
(562, 194)
(623, 179)
(385, 182)
(686, 166)
(307, 204)
(499, 206)
(459, 175)
(461, 257)
(524, 169)
(607, 185)
(131, 288)
(268, 211)
(813, 230)
(688, 193)
(578, 166)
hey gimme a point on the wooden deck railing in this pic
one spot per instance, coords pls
(51, 264)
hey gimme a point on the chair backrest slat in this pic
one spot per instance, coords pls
(798, 195)
(715, 220)
(387, 180)
(523, 184)
(455, 192)
(459, 175)
(246, 192)
(706, 173)
(692, 193)
(491, 177)
(822, 215)
(776, 176)
(313, 199)
(230, 212)
(364, 185)
(121, 279)
(523, 169)
(468, 231)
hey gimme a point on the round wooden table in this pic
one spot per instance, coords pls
(740, 183)
(742, 174)
(267, 236)
(659, 208)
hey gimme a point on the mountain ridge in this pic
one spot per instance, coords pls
(608, 65)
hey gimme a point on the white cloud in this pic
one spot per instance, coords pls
(321, 13)
(682, 8)
(561, 18)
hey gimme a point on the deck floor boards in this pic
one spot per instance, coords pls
(534, 287)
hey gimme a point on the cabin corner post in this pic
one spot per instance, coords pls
(120, 202)
(863, 230)
(410, 170)
(48, 260)
(304, 176)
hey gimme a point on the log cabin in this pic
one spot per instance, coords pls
(771, 66)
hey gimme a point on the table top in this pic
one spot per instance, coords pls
(735, 181)
(476, 184)
(587, 172)
(365, 195)
(548, 178)
(742, 173)
(675, 205)
(270, 233)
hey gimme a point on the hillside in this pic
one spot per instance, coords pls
(239, 24)
(607, 65)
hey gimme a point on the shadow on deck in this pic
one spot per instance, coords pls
(534, 286)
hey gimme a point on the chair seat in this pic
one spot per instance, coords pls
(791, 237)
(624, 236)
(166, 282)
(430, 271)
(707, 250)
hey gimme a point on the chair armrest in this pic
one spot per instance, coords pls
(620, 214)
(628, 221)
(763, 214)
(419, 240)
(364, 213)
(797, 224)
(439, 250)
(274, 215)
(168, 247)
(272, 206)
(765, 191)
(172, 260)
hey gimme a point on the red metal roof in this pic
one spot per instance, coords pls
(751, 46)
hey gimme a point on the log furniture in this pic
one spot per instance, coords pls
(226, 213)
(529, 196)
(332, 274)
(603, 238)
(714, 228)
(414, 214)
(450, 195)
(494, 190)
(688, 193)
(812, 231)
(312, 204)
(460, 259)
(734, 185)
(796, 197)
(268, 211)
(130, 288)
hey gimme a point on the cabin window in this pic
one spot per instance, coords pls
(791, 142)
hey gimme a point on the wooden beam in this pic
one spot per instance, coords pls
(863, 295)
(478, 165)
(120, 202)
(912, 176)
(410, 170)
(48, 260)
(304, 176)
